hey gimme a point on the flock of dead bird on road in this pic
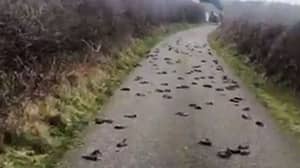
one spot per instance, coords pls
(241, 149)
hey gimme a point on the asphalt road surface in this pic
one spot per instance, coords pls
(180, 94)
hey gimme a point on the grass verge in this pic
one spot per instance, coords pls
(282, 101)
(73, 104)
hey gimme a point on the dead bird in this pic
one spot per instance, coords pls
(220, 68)
(93, 156)
(198, 70)
(165, 96)
(246, 116)
(122, 144)
(216, 61)
(119, 127)
(167, 90)
(205, 142)
(196, 66)
(209, 103)
(207, 86)
(241, 150)
(245, 152)
(140, 94)
(169, 62)
(159, 90)
(235, 150)
(260, 123)
(182, 87)
(194, 83)
(232, 87)
(189, 72)
(243, 147)
(246, 109)
(144, 82)
(192, 105)
(167, 59)
(236, 99)
(130, 116)
(100, 121)
(198, 107)
(224, 154)
(219, 89)
(125, 89)
(178, 61)
(162, 73)
(182, 114)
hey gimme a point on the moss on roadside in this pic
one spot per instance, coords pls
(77, 102)
(283, 103)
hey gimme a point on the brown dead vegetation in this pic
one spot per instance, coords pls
(41, 40)
(268, 36)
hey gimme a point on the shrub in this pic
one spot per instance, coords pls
(40, 39)
(267, 34)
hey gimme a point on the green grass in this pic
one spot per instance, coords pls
(77, 106)
(281, 101)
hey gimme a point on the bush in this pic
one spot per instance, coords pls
(267, 34)
(40, 39)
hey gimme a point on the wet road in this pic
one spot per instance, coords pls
(181, 94)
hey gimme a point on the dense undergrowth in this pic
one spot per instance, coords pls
(281, 100)
(71, 106)
(45, 43)
(260, 42)
(60, 60)
(267, 34)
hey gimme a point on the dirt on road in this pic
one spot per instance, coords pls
(183, 108)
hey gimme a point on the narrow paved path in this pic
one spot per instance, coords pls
(182, 75)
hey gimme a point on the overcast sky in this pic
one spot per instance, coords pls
(285, 1)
